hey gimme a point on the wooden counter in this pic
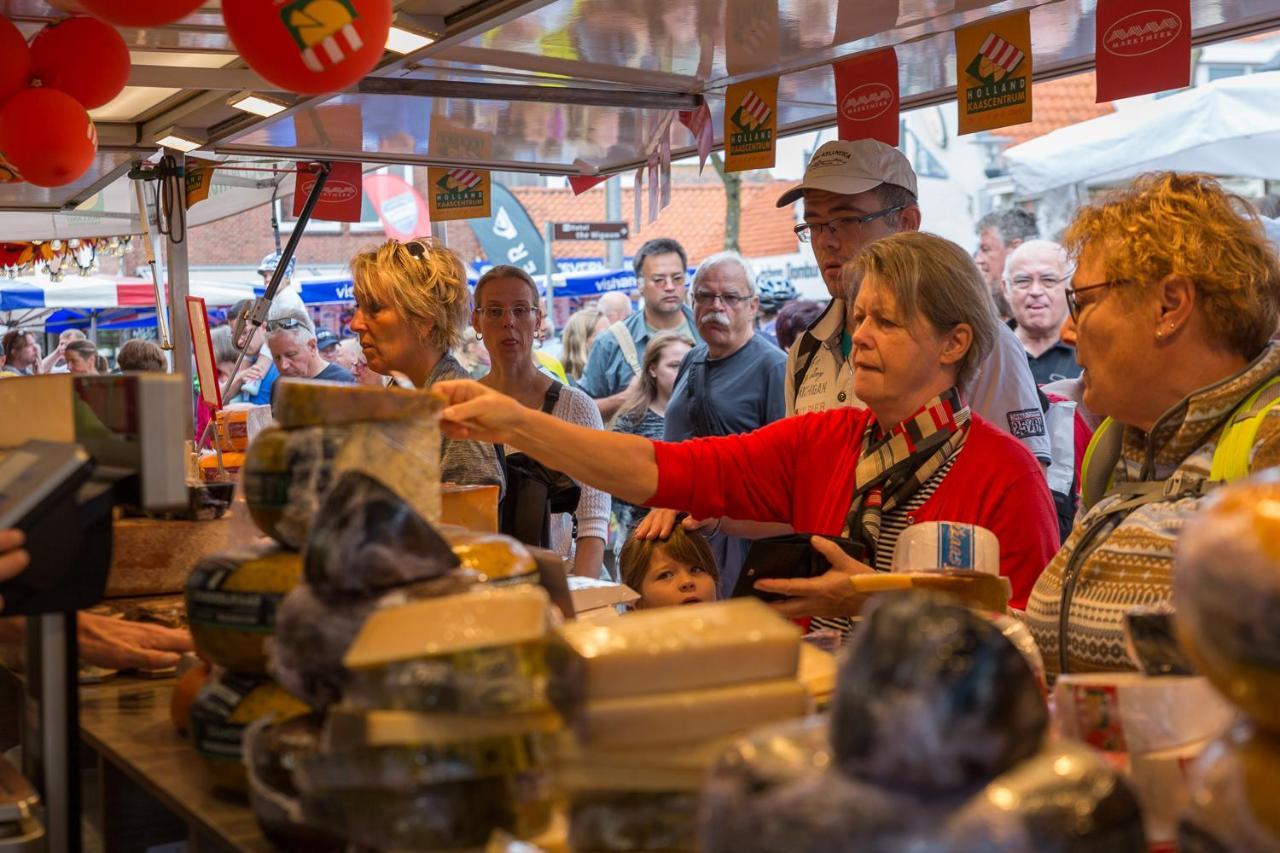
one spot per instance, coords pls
(154, 786)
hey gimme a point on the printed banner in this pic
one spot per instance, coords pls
(752, 36)
(993, 80)
(751, 125)
(459, 193)
(401, 209)
(342, 197)
(455, 142)
(867, 96)
(699, 123)
(199, 179)
(1142, 47)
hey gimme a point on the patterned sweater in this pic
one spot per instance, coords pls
(1132, 565)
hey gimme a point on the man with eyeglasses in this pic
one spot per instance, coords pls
(855, 193)
(1036, 278)
(733, 382)
(291, 335)
(618, 351)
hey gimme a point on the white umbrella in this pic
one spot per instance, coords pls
(1228, 127)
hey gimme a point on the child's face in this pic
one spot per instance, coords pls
(670, 582)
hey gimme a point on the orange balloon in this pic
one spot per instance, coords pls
(140, 13)
(47, 136)
(311, 47)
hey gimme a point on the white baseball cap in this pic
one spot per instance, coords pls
(849, 168)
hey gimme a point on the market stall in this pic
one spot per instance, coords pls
(377, 666)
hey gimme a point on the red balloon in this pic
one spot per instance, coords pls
(15, 59)
(83, 57)
(140, 13)
(311, 47)
(47, 136)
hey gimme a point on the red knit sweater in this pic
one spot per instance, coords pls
(800, 470)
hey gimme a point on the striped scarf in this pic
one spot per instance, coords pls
(893, 466)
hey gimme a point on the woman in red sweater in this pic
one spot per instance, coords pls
(921, 323)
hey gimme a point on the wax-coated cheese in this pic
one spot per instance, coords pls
(286, 476)
(673, 648)
(306, 402)
(449, 625)
(231, 465)
(222, 710)
(490, 556)
(231, 603)
(473, 507)
(237, 425)
(689, 715)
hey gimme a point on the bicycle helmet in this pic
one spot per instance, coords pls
(774, 293)
(271, 261)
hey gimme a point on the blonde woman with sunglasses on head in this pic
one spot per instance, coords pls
(412, 303)
(508, 321)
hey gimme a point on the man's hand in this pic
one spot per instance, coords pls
(117, 644)
(13, 558)
(660, 523)
(830, 595)
(478, 413)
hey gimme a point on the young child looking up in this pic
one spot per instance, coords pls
(677, 570)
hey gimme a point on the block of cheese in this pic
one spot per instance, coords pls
(238, 424)
(231, 465)
(689, 715)
(349, 729)
(306, 402)
(491, 556)
(817, 673)
(473, 507)
(672, 648)
(231, 603)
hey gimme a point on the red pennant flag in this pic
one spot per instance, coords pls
(401, 209)
(1142, 48)
(582, 183)
(867, 96)
(699, 123)
(342, 196)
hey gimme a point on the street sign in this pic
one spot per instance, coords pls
(591, 230)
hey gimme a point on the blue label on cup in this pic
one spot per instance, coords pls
(955, 546)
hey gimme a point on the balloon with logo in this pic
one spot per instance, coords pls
(15, 59)
(47, 136)
(83, 57)
(311, 47)
(140, 13)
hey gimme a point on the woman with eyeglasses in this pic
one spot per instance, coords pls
(1176, 295)
(507, 321)
(921, 324)
(412, 303)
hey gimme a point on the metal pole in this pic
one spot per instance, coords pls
(551, 287)
(613, 213)
(52, 668)
(178, 272)
(162, 321)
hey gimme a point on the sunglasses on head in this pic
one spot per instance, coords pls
(287, 323)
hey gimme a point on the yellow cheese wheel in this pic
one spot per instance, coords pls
(223, 708)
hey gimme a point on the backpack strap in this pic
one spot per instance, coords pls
(1099, 464)
(1232, 455)
(552, 397)
(626, 344)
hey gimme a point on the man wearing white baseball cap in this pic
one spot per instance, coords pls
(854, 193)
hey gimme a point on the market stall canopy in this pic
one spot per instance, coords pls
(560, 88)
(1228, 127)
(36, 292)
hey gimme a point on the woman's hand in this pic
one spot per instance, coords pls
(830, 595)
(118, 644)
(13, 559)
(660, 523)
(478, 413)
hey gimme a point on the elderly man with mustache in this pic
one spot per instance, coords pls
(732, 382)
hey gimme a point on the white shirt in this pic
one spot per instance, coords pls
(1003, 392)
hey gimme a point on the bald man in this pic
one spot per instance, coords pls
(615, 306)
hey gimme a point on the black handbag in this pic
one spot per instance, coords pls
(534, 491)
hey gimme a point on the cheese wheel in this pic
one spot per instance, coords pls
(223, 708)
(231, 465)
(1235, 786)
(1227, 593)
(932, 698)
(236, 425)
(286, 475)
(231, 603)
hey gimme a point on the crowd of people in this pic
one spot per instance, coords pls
(932, 385)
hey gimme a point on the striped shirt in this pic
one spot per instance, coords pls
(891, 526)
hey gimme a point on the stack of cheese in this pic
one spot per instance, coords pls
(652, 699)
(231, 606)
(445, 733)
(234, 429)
